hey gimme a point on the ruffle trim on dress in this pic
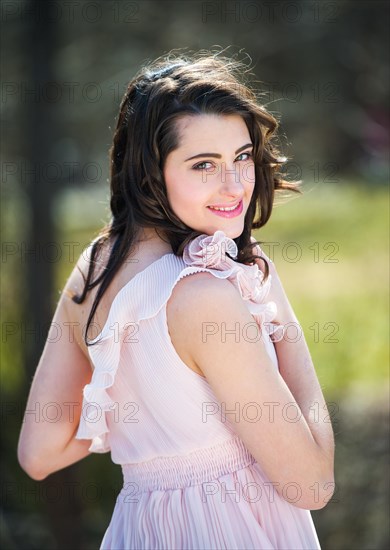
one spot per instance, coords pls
(96, 401)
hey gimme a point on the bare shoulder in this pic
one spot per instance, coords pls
(202, 284)
(76, 280)
(200, 304)
(199, 295)
(75, 313)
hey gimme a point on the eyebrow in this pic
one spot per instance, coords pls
(217, 155)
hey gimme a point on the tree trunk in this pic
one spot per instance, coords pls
(42, 129)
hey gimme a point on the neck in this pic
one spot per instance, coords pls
(150, 236)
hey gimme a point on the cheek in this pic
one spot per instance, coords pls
(184, 189)
(183, 194)
(188, 198)
(248, 176)
(173, 187)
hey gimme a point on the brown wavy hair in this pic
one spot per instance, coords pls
(164, 90)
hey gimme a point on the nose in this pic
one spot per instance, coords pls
(231, 181)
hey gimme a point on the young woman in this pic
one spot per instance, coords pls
(215, 416)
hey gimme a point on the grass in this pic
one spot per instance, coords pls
(339, 285)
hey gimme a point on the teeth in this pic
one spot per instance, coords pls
(224, 209)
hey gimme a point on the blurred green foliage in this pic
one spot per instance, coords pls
(332, 256)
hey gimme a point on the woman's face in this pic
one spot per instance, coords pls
(212, 167)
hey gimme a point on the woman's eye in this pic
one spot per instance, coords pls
(249, 155)
(203, 166)
(206, 165)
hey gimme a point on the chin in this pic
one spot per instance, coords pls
(231, 232)
(234, 235)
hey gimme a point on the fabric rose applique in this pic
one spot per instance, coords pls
(219, 252)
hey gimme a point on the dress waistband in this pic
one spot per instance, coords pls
(200, 466)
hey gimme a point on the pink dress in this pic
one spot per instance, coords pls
(189, 481)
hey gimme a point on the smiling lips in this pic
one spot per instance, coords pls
(227, 211)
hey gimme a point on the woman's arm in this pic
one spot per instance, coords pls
(46, 441)
(249, 388)
(296, 366)
(297, 369)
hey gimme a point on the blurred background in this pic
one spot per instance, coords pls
(323, 71)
